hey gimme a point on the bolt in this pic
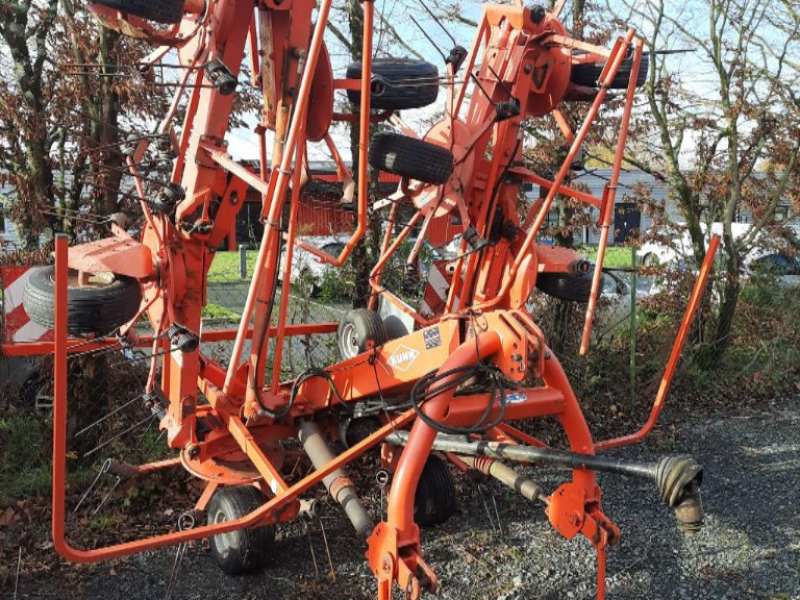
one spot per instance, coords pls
(386, 564)
(528, 69)
(194, 451)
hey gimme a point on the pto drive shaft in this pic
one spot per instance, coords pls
(338, 484)
(677, 478)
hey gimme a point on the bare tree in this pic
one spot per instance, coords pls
(75, 94)
(26, 138)
(724, 122)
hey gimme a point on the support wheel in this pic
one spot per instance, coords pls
(100, 306)
(410, 158)
(651, 261)
(356, 329)
(435, 500)
(398, 83)
(566, 286)
(160, 11)
(586, 75)
(243, 550)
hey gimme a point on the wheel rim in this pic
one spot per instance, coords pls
(349, 341)
(95, 280)
(223, 541)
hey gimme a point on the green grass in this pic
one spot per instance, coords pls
(615, 256)
(226, 266)
(215, 311)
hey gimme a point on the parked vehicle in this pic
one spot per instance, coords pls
(784, 268)
(676, 249)
(308, 269)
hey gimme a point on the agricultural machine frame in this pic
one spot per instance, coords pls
(519, 67)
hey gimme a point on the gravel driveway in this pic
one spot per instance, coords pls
(749, 548)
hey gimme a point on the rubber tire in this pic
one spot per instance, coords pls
(360, 429)
(89, 309)
(586, 75)
(366, 325)
(248, 548)
(405, 71)
(407, 157)
(566, 286)
(651, 261)
(160, 11)
(435, 499)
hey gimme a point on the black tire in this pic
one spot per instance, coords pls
(242, 550)
(360, 429)
(435, 499)
(160, 11)
(586, 75)
(100, 308)
(398, 83)
(410, 158)
(566, 286)
(651, 261)
(356, 329)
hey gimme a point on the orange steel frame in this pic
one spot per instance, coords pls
(485, 317)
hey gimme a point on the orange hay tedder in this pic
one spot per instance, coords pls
(451, 383)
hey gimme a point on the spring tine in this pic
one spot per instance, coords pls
(103, 418)
(482, 491)
(119, 435)
(173, 577)
(497, 514)
(382, 478)
(185, 522)
(327, 548)
(108, 495)
(311, 548)
(103, 470)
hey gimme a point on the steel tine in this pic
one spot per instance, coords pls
(108, 495)
(103, 470)
(497, 513)
(327, 548)
(311, 548)
(482, 492)
(185, 522)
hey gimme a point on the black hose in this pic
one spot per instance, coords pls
(464, 374)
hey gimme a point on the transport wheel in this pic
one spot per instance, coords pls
(435, 500)
(356, 329)
(586, 75)
(398, 83)
(651, 260)
(160, 11)
(566, 286)
(410, 158)
(101, 306)
(242, 550)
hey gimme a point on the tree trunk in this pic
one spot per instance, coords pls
(359, 256)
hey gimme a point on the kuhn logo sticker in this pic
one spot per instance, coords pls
(402, 358)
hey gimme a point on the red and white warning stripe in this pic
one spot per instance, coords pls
(19, 328)
(437, 289)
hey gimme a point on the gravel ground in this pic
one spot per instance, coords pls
(749, 548)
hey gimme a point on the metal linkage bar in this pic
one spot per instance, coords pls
(677, 478)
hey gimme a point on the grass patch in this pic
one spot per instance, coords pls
(226, 266)
(615, 256)
(215, 311)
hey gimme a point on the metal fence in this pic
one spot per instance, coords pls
(228, 285)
